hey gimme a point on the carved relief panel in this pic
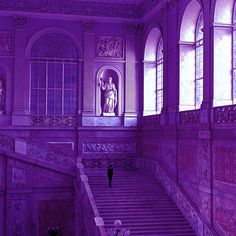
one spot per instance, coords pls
(109, 46)
(6, 42)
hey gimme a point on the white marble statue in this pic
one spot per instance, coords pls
(118, 230)
(110, 96)
(2, 96)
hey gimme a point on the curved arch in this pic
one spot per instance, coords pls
(189, 20)
(151, 43)
(46, 31)
(223, 12)
(153, 73)
(112, 71)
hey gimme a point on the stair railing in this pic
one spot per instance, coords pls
(92, 223)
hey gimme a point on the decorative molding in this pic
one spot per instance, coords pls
(224, 115)
(83, 8)
(7, 143)
(153, 121)
(19, 211)
(225, 165)
(101, 163)
(109, 46)
(20, 22)
(188, 118)
(18, 175)
(6, 42)
(109, 147)
(54, 121)
(51, 157)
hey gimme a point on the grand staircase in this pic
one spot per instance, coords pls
(140, 202)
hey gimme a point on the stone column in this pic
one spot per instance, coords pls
(88, 75)
(131, 98)
(20, 103)
(208, 67)
(171, 85)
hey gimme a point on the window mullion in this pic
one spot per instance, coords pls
(46, 92)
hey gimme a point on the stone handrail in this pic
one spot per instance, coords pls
(92, 222)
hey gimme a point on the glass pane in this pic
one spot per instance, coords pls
(70, 76)
(150, 88)
(199, 33)
(58, 75)
(51, 75)
(42, 102)
(199, 92)
(42, 75)
(50, 101)
(34, 75)
(34, 101)
(58, 102)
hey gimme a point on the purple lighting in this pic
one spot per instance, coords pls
(147, 87)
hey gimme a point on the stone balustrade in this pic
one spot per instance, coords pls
(92, 222)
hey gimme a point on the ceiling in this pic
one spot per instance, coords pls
(119, 9)
(136, 2)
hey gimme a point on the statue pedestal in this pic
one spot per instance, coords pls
(108, 114)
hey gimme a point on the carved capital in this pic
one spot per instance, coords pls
(131, 29)
(20, 22)
(88, 27)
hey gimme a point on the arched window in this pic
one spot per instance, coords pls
(191, 58)
(224, 53)
(153, 73)
(159, 97)
(54, 75)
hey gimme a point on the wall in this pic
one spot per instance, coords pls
(194, 148)
(34, 196)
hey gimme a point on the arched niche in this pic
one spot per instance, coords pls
(105, 72)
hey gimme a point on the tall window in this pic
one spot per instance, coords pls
(224, 53)
(159, 97)
(54, 74)
(199, 62)
(234, 57)
(191, 58)
(153, 73)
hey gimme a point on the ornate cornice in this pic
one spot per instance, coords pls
(81, 8)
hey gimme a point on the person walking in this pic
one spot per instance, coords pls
(110, 174)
